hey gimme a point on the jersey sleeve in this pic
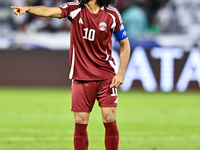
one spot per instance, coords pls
(119, 30)
(68, 9)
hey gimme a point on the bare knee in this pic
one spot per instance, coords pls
(108, 115)
(81, 117)
(109, 118)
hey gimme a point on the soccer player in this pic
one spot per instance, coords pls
(92, 67)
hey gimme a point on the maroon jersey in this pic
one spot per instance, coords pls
(91, 44)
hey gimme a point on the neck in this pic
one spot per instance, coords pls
(93, 6)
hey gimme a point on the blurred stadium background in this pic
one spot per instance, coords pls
(164, 36)
(160, 109)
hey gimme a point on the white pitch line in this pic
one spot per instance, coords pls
(29, 130)
(133, 136)
(170, 138)
(8, 130)
(29, 139)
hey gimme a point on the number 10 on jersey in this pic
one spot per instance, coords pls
(89, 34)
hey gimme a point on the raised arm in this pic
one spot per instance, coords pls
(41, 11)
(124, 59)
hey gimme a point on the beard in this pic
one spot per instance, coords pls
(83, 2)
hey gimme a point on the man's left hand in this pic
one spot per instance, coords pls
(117, 81)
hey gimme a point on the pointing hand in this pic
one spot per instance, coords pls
(19, 10)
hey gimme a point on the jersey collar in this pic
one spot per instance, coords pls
(102, 8)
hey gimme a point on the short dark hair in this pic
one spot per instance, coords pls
(101, 3)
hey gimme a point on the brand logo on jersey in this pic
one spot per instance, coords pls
(102, 26)
(64, 5)
(121, 27)
(80, 21)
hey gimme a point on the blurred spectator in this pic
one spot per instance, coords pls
(179, 16)
(121, 5)
(30, 23)
(5, 20)
(135, 20)
(163, 17)
(183, 8)
(142, 18)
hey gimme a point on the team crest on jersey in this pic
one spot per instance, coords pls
(64, 5)
(102, 26)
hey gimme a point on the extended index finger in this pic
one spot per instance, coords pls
(113, 83)
(14, 7)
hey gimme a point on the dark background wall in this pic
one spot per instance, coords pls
(51, 68)
(35, 68)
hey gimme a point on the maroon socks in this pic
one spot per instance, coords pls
(80, 137)
(111, 136)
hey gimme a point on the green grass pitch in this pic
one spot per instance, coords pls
(40, 119)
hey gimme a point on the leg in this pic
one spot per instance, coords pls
(107, 98)
(108, 114)
(80, 133)
(81, 117)
(111, 133)
(83, 98)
